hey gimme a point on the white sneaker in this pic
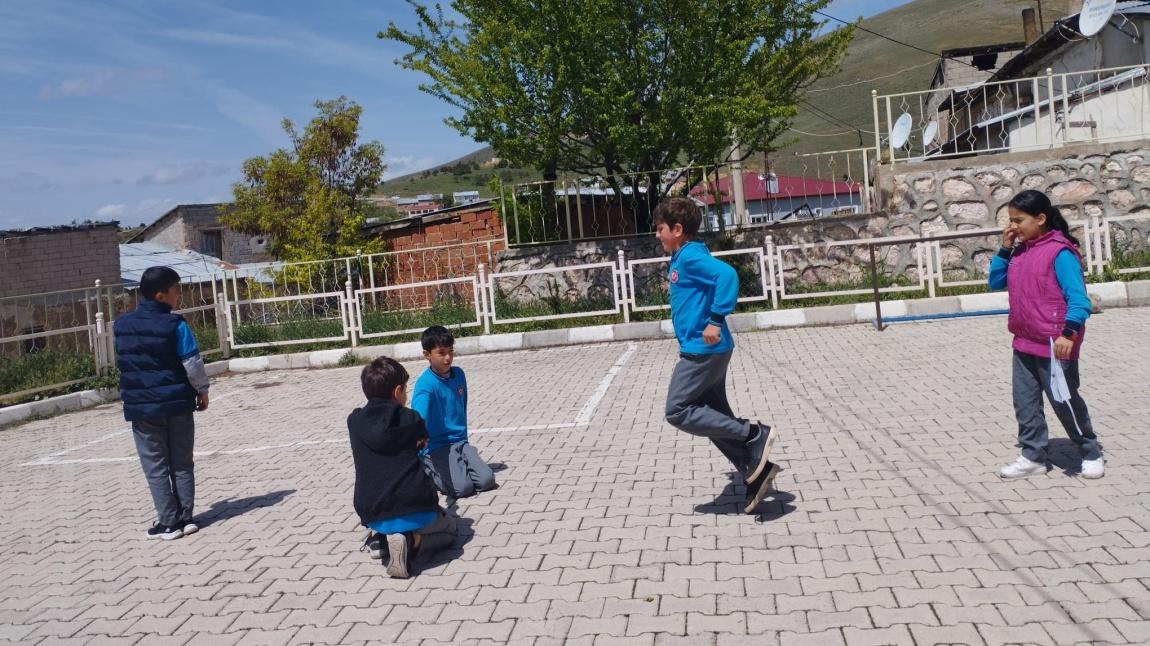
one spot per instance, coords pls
(1093, 469)
(1021, 468)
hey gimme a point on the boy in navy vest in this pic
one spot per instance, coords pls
(162, 381)
(393, 496)
(704, 291)
(440, 398)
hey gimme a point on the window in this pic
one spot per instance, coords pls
(213, 244)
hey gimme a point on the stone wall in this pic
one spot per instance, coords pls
(811, 266)
(48, 260)
(928, 198)
(953, 195)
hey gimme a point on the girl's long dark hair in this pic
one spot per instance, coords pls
(1035, 203)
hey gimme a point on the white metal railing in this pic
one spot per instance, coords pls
(611, 267)
(1138, 242)
(625, 285)
(1039, 112)
(416, 303)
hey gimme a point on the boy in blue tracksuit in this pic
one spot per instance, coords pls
(703, 292)
(440, 398)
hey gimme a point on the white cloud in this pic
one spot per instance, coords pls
(112, 211)
(209, 37)
(184, 173)
(151, 207)
(260, 117)
(26, 182)
(102, 81)
(403, 164)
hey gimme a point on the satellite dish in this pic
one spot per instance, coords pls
(900, 133)
(929, 133)
(1095, 15)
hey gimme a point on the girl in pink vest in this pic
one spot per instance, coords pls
(1041, 269)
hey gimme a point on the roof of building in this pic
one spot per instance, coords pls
(984, 60)
(187, 209)
(1061, 33)
(755, 188)
(62, 228)
(425, 219)
(192, 267)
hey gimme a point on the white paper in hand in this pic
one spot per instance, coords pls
(1058, 388)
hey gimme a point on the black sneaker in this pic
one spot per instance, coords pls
(189, 527)
(373, 545)
(164, 532)
(400, 547)
(759, 449)
(757, 489)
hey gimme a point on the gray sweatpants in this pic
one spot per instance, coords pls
(458, 471)
(697, 403)
(1031, 379)
(165, 450)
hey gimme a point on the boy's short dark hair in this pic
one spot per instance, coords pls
(156, 280)
(436, 336)
(380, 377)
(679, 210)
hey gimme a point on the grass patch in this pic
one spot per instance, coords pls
(44, 368)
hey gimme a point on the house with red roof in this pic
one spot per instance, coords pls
(776, 197)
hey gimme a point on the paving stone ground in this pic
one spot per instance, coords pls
(890, 526)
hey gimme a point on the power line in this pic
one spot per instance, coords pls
(893, 40)
(823, 134)
(877, 78)
(833, 119)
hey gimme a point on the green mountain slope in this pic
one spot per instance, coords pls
(840, 103)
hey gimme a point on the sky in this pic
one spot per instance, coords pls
(123, 109)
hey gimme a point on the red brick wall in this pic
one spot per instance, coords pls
(465, 236)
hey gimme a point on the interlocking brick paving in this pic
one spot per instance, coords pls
(890, 526)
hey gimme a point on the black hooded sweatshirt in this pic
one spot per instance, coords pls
(389, 476)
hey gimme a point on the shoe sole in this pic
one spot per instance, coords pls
(170, 536)
(1021, 475)
(397, 565)
(1093, 476)
(764, 487)
(771, 435)
(191, 528)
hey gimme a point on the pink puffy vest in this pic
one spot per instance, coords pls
(1037, 305)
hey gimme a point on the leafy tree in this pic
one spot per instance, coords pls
(623, 88)
(308, 199)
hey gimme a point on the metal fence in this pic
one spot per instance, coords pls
(1039, 112)
(600, 207)
(50, 341)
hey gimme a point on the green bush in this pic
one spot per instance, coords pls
(291, 330)
(448, 312)
(44, 368)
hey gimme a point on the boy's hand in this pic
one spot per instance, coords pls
(712, 334)
(421, 444)
(202, 402)
(1062, 348)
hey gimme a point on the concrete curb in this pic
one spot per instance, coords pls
(55, 405)
(1115, 294)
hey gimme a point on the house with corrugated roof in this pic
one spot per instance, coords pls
(197, 227)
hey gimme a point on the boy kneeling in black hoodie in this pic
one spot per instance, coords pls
(394, 497)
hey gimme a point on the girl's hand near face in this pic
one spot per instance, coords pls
(1009, 236)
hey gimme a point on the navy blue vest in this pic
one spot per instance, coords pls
(153, 382)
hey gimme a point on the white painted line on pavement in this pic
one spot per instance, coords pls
(582, 419)
(584, 416)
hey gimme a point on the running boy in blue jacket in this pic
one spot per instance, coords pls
(704, 290)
